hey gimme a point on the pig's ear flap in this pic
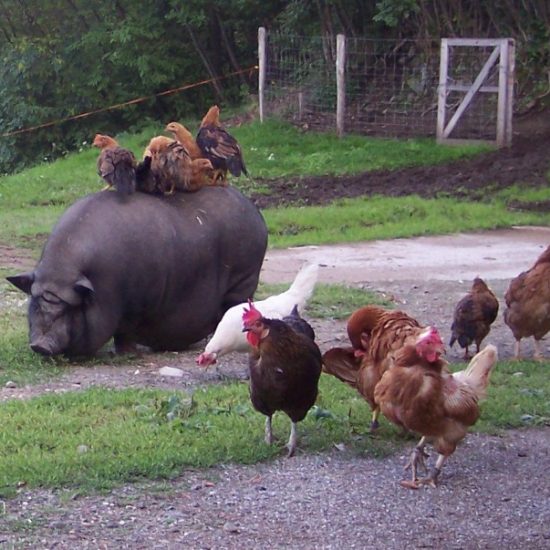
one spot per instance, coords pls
(23, 281)
(84, 286)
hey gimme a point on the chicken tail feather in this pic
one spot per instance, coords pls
(125, 182)
(342, 363)
(477, 373)
(304, 284)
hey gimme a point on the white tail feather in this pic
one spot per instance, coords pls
(477, 373)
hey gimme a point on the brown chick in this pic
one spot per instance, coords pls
(419, 394)
(376, 335)
(285, 366)
(220, 147)
(202, 174)
(183, 135)
(116, 165)
(527, 299)
(170, 165)
(473, 316)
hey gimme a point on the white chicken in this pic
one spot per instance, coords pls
(229, 337)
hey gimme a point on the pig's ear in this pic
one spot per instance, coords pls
(23, 281)
(84, 286)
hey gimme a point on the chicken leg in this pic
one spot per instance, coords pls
(537, 356)
(431, 478)
(418, 458)
(268, 431)
(374, 420)
(292, 440)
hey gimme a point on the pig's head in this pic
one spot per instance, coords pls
(56, 312)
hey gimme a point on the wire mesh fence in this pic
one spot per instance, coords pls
(391, 86)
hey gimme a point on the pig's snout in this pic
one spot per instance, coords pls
(44, 346)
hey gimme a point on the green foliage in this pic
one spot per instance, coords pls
(393, 12)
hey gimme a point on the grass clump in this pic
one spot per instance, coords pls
(98, 438)
(371, 218)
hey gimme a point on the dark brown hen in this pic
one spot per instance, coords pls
(473, 316)
(285, 366)
(219, 146)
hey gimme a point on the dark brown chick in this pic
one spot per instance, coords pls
(220, 147)
(473, 316)
(115, 165)
(285, 366)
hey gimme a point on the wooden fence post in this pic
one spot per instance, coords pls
(340, 83)
(262, 69)
(511, 45)
(442, 89)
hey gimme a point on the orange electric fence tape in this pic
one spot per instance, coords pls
(130, 102)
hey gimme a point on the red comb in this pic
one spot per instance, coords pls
(250, 315)
(431, 335)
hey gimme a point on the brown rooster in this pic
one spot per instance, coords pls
(285, 366)
(183, 135)
(220, 147)
(473, 316)
(116, 165)
(376, 335)
(527, 299)
(419, 394)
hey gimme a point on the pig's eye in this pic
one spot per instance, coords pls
(50, 298)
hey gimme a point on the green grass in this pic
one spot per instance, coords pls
(98, 438)
(276, 149)
(372, 218)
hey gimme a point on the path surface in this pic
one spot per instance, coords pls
(499, 254)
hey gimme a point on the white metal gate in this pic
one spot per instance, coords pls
(503, 52)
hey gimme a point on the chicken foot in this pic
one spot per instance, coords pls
(292, 440)
(418, 458)
(432, 477)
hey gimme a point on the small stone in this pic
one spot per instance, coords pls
(171, 371)
(11, 384)
(231, 527)
(82, 449)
